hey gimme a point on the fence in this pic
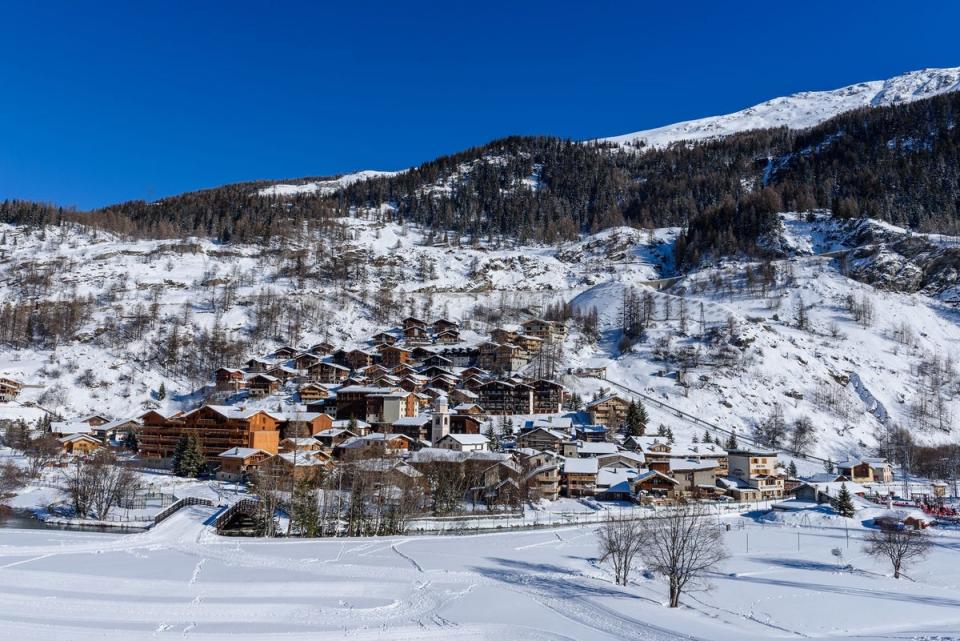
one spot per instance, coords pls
(182, 503)
(243, 506)
(470, 524)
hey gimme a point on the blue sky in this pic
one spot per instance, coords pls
(141, 100)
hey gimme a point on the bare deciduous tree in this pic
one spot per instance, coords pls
(620, 542)
(97, 483)
(900, 546)
(681, 545)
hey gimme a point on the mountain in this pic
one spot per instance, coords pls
(802, 110)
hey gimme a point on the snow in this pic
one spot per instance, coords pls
(803, 110)
(323, 187)
(181, 580)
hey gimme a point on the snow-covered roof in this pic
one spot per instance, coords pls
(469, 439)
(691, 465)
(580, 465)
(241, 452)
(595, 449)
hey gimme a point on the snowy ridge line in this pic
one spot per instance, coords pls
(702, 423)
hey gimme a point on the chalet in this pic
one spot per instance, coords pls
(411, 321)
(543, 439)
(393, 356)
(322, 349)
(502, 357)
(530, 344)
(299, 465)
(439, 361)
(500, 484)
(542, 476)
(305, 423)
(461, 356)
(696, 478)
(411, 384)
(443, 325)
(263, 385)
(464, 442)
(473, 383)
(352, 399)
(79, 444)
(467, 408)
(328, 373)
(69, 428)
(374, 443)
(614, 482)
(416, 427)
(383, 338)
(300, 444)
(501, 335)
(866, 470)
(256, 365)
(358, 358)
(419, 354)
(9, 389)
(545, 330)
(312, 392)
(448, 337)
(239, 462)
(501, 397)
(653, 487)
(441, 382)
(754, 470)
(579, 476)
(548, 396)
(229, 379)
(591, 433)
(586, 449)
(219, 427)
(282, 373)
(465, 423)
(341, 357)
(403, 370)
(387, 407)
(284, 353)
(611, 410)
(461, 396)
(331, 438)
(305, 360)
(416, 335)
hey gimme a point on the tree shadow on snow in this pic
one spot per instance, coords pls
(552, 579)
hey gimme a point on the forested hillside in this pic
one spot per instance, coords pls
(897, 163)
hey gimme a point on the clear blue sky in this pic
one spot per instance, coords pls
(103, 102)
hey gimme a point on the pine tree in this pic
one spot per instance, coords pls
(792, 470)
(132, 443)
(731, 443)
(492, 436)
(634, 423)
(162, 392)
(706, 437)
(188, 458)
(844, 503)
(828, 466)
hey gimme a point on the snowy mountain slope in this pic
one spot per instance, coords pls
(323, 187)
(185, 284)
(804, 109)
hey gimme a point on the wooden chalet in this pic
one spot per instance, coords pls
(237, 463)
(9, 389)
(548, 396)
(500, 397)
(263, 385)
(611, 410)
(229, 379)
(328, 373)
(219, 428)
(313, 392)
(393, 356)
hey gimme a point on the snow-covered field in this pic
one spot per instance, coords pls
(182, 581)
